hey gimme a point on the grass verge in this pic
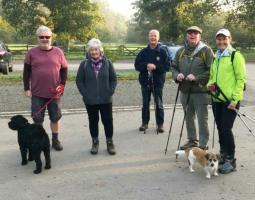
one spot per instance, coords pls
(16, 77)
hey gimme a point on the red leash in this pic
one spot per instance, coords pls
(57, 93)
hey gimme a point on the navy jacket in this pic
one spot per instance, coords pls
(158, 57)
(96, 90)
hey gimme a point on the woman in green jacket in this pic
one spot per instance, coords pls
(226, 83)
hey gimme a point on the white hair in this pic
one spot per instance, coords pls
(155, 31)
(43, 28)
(95, 43)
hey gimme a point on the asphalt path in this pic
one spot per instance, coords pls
(73, 65)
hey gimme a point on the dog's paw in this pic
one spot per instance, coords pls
(37, 171)
(216, 174)
(47, 167)
(24, 162)
(208, 176)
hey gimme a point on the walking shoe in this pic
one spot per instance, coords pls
(143, 127)
(57, 145)
(189, 144)
(95, 146)
(228, 166)
(221, 161)
(203, 147)
(161, 129)
(110, 147)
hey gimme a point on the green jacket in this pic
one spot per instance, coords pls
(230, 77)
(196, 62)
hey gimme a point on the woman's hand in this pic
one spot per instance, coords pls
(232, 106)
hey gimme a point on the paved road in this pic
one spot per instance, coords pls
(73, 65)
(140, 170)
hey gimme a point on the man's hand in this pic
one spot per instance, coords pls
(28, 93)
(212, 87)
(151, 67)
(190, 77)
(180, 77)
(232, 105)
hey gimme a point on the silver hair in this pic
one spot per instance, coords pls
(95, 43)
(154, 30)
(43, 28)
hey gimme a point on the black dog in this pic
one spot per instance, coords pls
(32, 139)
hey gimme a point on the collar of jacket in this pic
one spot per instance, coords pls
(227, 52)
(199, 46)
(157, 48)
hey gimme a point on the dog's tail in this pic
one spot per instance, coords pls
(180, 152)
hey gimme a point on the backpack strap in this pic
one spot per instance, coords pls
(233, 56)
(232, 61)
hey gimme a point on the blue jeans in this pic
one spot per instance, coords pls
(146, 94)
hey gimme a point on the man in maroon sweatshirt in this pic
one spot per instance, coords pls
(44, 77)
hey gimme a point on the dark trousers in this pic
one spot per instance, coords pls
(106, 117)
(146, 94)
(225, 118)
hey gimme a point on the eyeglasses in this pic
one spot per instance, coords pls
(44, 37)
(193, 32)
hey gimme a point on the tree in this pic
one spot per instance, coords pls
(6, 31)
(172, 17)
(243, 12)
(69, 19)
(113, 27)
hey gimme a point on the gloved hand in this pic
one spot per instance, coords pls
(60, 89)
(212, 87)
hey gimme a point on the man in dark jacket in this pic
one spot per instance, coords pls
(152, 62)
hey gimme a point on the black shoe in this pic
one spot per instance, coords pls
(228, 166)
(189, 144)
(95, 147)
(143, 127)
(57, 145)
(161, 129)
(110, 147)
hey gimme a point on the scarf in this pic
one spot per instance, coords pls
(97, 64)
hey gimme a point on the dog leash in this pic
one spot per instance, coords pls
(57, 93)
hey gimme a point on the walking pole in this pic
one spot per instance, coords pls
(170, 129)
(154, 97)
(184, 118)
(214, 123)
(239, 114)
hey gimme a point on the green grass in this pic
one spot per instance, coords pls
(16, 77)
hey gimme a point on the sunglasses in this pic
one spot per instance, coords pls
(44, 37)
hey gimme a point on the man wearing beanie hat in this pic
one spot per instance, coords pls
(191, 69)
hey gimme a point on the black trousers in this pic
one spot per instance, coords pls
(225, 118)
(146, 94)
(106, 117)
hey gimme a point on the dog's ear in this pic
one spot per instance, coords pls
(218, 156)
(207, 156)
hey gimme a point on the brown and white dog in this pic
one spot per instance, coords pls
(209, 161)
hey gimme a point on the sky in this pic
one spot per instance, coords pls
(122, 6)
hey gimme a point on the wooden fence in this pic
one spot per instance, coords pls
(121, 50)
